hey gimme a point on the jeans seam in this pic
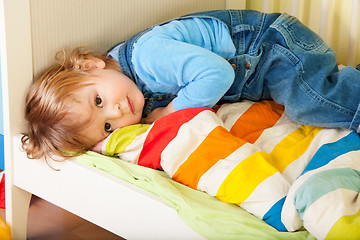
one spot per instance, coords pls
(323, 101)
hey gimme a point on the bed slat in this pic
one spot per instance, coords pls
(294, 8)
(354, 32)
(324, 11)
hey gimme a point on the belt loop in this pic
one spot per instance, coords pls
(257, 34)
(237, 36)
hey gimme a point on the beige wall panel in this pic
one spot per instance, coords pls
(71, 23)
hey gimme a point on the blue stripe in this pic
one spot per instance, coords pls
(273, 216)
(321, 183)
(330, 151)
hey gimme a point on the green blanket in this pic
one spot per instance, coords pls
(207, 215)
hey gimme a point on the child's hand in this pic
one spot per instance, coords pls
(158, 113)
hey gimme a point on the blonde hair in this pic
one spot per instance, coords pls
(51, 129)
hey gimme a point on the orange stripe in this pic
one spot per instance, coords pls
(256, 119)
(219, 144)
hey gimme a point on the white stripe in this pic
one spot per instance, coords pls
(266, 194)
(189, 137)
(291, 220)
(103, 145)
(280, 183)
(274, 135)
(211, 181)
(327, 210)
(325, 136)
(230, 113)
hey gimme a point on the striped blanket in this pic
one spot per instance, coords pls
(250, 154)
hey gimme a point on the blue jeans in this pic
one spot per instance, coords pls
(279, 58)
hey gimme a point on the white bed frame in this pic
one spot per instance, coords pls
(31, 32)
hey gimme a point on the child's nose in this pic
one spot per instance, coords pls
(119, 109)
(115, 111)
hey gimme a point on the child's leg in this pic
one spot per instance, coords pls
(289, 63)
(322, 97)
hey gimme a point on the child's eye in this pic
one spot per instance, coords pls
(98, 101)
(108, 127)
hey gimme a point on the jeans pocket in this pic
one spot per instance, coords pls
(298, 36)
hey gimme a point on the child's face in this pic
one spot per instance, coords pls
(112, 101)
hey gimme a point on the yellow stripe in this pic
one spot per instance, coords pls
(123, 137)
(253, 170)
(347, 227)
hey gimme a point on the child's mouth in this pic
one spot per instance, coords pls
(131, 105)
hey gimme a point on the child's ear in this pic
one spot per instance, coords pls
(94, 63)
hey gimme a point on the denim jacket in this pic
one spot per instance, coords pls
(278, 58)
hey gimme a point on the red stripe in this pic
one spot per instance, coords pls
(164, 130)
(2, 190)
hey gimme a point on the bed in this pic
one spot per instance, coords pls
(133, 201)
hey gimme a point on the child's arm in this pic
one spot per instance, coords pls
(196, 75)
(190, 63)
(158, 113)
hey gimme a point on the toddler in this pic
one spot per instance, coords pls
(201, 59)
(67, 105)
